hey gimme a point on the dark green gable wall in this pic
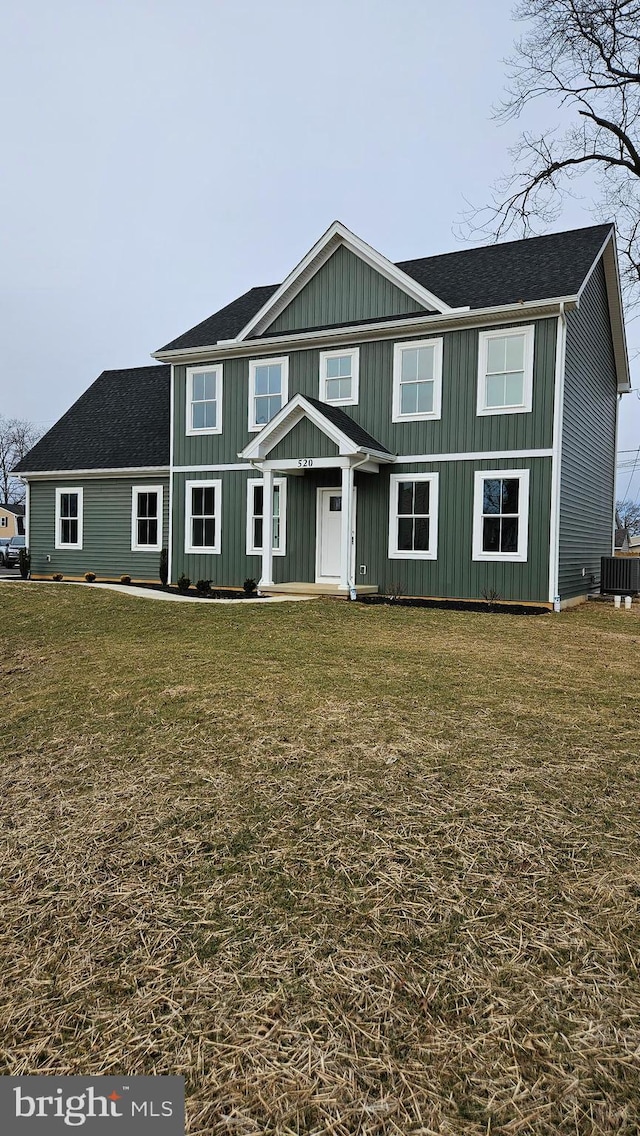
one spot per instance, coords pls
(344, 290)
(304, 440)
(588, 443)
(107, 529)
(458, 431)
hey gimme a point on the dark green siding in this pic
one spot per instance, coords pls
(344, 290)
(458, 431)
(304, 440)
(454, 574)
(588, 443)
(106, 529)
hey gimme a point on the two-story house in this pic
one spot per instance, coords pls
(446, 424)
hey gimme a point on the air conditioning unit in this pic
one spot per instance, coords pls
(620, 575)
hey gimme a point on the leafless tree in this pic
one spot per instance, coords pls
(584, 57)
(628, 513)
(16, 439)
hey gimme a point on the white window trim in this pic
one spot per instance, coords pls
(483, 345)
(251, 550)
(283, 360)
(521, 555)
(354, 352)
(395, 553)
(4, 522)
(58, 519)
(408, 345)
(216, 483)
(135, 491)
(192, 431)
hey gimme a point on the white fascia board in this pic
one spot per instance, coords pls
(134, 471)
(454, 320)
(337, 234)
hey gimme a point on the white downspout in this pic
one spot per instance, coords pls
(556, 460)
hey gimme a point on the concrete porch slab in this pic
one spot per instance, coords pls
(304, 588)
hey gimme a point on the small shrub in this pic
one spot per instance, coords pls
(24, 563)
(57, 576)
(125, 579)
(491, 596)
(394, 591)
(89, 577)
(249, 586)
(163, 569)
(184, 583)
(203, 587)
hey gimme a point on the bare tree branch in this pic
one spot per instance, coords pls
(16, 439)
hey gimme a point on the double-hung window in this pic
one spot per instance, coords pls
(146, 518)
(501, 514)
(417, 380)
(505, 371)
(255, 515)
(68, 519)
(339, 376)
(268, 390)
(203, 516)
(204, 400)
(413, 516)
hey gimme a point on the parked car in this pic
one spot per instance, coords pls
(5, 541)
(12, 552)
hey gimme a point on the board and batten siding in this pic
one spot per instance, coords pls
(459, 430)
(587, 477)
(106, 541)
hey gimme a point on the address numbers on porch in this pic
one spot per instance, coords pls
(305, 463)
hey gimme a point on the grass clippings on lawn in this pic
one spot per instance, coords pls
(349, 869)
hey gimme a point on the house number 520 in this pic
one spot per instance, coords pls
(305, 463)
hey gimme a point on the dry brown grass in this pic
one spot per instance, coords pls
(350, 870)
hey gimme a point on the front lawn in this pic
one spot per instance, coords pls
(349, 869)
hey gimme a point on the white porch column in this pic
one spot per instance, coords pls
(347, 527)
(266, 579)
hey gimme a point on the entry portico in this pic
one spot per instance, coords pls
(306, 436)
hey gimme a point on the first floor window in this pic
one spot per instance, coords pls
(417, 380)
(413, 516)
(339, 376)
(204, 400)
(202, 516)
(255, 515)
(146, 518)
(268, 390)
(505, 371)
(68, 518)
(501, 512)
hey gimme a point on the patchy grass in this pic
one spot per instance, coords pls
(349, 869)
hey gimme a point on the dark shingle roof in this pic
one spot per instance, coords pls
(17, 510)
(344, 422)
(538, 268)
(120, 422)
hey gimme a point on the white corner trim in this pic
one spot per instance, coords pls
(484, 338)
(172, 389)
(266, 361)
(200, 550)
(393, 552)
(203, 369)
(58, 543)
(521, 556)
(556, 457)
(250, 548)
(337, 353)
(135, 491)
(398, 349)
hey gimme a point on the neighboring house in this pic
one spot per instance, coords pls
(446, 424)
(11, 520)
(621, 541)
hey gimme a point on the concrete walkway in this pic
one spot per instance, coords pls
(150, 594)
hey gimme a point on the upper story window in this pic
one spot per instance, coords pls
(268, 390)
(204, 400)
(255, 516)
(413, 516)
(69, 518)
(505, 371)
(203, 516)
(146, 518)
(501, 514)
(339, 376)
(417, 380)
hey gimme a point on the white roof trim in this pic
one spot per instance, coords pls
(337, 234)
(288, 417)
(128, 471)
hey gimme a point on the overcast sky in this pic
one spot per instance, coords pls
(159, 157)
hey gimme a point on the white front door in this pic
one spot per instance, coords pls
(329, 535)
